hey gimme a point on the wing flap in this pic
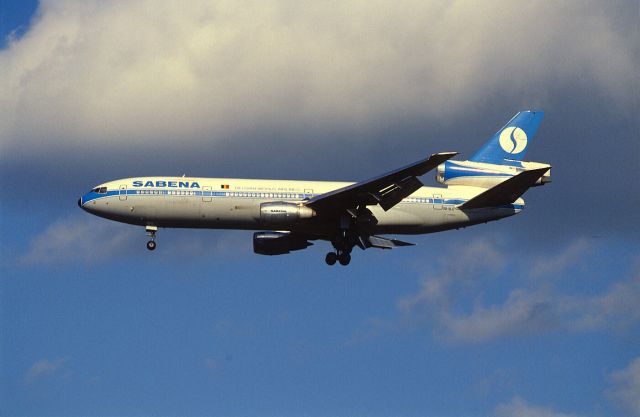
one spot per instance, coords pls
(383, 242)
(507, 191)
(395, 193)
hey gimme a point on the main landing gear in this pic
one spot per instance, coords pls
(343, 245)
(343, 257)
(151, 232)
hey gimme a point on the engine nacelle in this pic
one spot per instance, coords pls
(481, 174)
(284, 213)
(277, 243)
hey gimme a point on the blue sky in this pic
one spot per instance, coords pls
(535, 315)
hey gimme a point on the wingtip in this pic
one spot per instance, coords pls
(445, 154)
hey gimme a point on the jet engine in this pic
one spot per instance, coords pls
(284, 213)
(278, 243)
(482, 174)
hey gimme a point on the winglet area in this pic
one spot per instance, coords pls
(506, 192)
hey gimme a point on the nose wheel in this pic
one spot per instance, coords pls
(151, 232)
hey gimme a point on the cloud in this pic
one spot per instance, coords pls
(473, 258)
(86, 239)
(553, 265)
(626, 387)
(110, 89)
(95, 72)
(522, 312)
(446, 291)
(42, 368)
(80, 239)
(519, 408)
(450, 297)
(615, 307)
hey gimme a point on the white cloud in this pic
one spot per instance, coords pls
(554, 265)
(450, 297)
(626, 387)
(140, 71)
(471, 258)
(521, 312)
(519, 408)
(43, 367)
(84, 238)
(78, 239)
(615, 307)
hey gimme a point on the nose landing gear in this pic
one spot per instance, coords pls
(151, 232)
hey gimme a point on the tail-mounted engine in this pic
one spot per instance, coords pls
(284, 213)
(278, 243)
(482, 174)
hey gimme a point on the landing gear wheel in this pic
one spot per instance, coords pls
(151, 245)
(331, 258)
(344, 258)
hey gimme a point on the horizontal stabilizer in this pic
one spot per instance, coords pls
(506, 192)
(382, 242)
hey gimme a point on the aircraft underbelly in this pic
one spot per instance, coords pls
(216, 214)
(229, 213)
(418, 218)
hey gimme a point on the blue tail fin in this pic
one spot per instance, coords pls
(512, 141)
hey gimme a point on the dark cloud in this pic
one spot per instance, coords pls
(310, 90)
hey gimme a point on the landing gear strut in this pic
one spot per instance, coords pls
(343, 245)
(151, 232)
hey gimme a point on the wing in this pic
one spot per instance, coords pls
(387, 190)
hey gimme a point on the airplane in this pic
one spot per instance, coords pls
(288, 215)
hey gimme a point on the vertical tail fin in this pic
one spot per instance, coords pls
(512, 141)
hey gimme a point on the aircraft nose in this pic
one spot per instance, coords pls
(80, 202)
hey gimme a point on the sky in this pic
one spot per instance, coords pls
(532, 316)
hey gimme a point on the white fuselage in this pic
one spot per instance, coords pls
(223, 203)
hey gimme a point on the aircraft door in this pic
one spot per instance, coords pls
(122, 195)
(437, 201)
(206, 194)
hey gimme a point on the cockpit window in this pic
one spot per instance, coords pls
(100, 190)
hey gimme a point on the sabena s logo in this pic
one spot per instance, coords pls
(513, 140)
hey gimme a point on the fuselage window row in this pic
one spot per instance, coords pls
(103, 190)
(218, 194)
